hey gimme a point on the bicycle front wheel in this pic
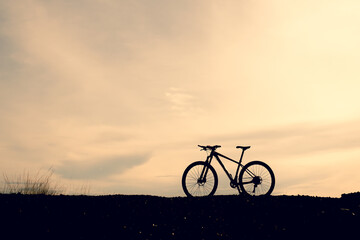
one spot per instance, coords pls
(256, 179)
(199, 179)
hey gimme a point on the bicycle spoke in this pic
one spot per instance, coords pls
(198, 186)
(256, 179)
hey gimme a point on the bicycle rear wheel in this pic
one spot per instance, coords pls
(192, 183)
(256, 179)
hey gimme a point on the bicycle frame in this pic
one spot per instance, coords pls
(217, 157)
(200, 178)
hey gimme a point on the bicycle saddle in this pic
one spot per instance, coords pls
(243, 148)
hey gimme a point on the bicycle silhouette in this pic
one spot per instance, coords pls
(200, 178)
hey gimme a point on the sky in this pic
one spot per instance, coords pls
(115, 96)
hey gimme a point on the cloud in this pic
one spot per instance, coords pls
(181, 102)
(302, 138)
(100, 168)
(87, 79)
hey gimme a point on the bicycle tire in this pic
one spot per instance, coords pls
(191, 185)
(262, 184)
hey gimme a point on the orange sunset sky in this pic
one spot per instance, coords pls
(116, 95)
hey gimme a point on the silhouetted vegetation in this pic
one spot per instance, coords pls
(26, 183)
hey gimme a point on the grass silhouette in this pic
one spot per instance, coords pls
(40, 183)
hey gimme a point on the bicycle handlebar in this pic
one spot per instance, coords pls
(209, 147)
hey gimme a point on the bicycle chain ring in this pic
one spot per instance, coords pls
(233, 185)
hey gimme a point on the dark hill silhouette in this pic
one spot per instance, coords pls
(151, 217)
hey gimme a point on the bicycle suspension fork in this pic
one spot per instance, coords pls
(205, 169)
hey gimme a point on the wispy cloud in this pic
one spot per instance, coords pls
(182, 102)
(100, 168)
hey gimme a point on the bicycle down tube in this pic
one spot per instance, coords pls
(223, 166)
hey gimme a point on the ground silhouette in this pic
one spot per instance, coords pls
(152, 217)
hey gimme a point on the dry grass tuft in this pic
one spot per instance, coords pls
(40, 183)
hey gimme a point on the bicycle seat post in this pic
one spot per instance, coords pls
(243, 151)
(241, 156)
